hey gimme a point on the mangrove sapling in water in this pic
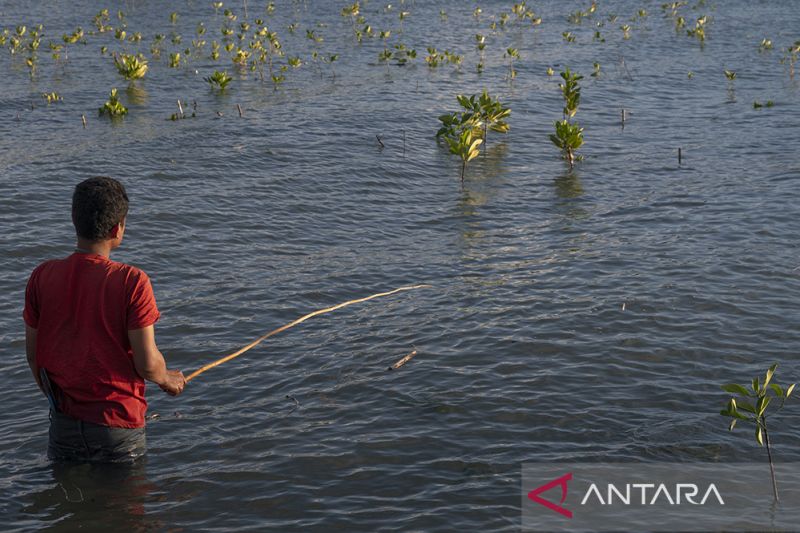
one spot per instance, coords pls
(742, 409)
(570, 92)
(480, 43)
(489, 111)
(568, 138)
(219, 80)
(466, 147)
(52, 97)
(113, 107)
(130, 66)
(512, 54)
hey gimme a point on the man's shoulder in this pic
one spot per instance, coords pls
(48, 264)
(131, 273)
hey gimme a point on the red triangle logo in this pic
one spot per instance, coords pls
(558, 482)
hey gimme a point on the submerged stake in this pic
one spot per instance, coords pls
(83, 119)
(240, 110)
(679, 156)
(403, 361)
(294, 323)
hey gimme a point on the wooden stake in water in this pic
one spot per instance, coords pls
(240, 110)
(83, 119)
(303, 318)
(679, 156)
(180, 108)
(623, 117)
(403, 361)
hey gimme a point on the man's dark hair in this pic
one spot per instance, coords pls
(98, 205)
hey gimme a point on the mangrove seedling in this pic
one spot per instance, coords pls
(130, 66)
(219, 80)
(743, 409)
(596, 72)
(466, 147)
(402, 54)
(765, 45)
(113, 107)
(699, 30)
(730, 75)
(568, 138)
(512, 54)
(568, 36)
(571, 92)
(175, 60)
(51, 97)
(759, 105)
(489, 111)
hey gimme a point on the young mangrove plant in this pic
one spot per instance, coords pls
(570, 92)
(480, 43)
(113, 107)
(490, 112)
(791, 56)
(465, 145)
(568, 136)
(219, 80)
(512, 54)
(699, 30)
(463, 134)
(130, 67)
(52, 97)
(751, 407)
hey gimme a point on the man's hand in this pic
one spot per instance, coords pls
(150, 364)
(174, 383)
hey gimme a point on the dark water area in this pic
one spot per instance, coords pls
(584, 316)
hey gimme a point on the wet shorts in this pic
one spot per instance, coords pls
(75, 440)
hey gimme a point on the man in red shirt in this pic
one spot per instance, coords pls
(89, 336)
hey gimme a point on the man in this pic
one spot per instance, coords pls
(90, 339)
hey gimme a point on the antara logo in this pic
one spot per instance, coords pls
(558, 482)
(628, 494)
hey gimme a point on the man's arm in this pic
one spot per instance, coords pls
(30, 351)
(150, 364)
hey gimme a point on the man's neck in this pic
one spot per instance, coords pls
(90, 247)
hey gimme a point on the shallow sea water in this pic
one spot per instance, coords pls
(573, 317)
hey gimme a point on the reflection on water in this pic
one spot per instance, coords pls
(87, 496)
(568, 186)
(137, 95)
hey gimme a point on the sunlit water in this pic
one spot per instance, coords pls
(578, 317)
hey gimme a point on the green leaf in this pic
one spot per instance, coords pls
(756, 388)
(777, 389)
(759, 438)
(790, 389)
(770, 373)
(746, 406)
(762, 404)
(735, 388)
(733, 425)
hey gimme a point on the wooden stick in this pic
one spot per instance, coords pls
(403, 361)
(83, 119)
(292, 324)
(240, 110)
(680, 156)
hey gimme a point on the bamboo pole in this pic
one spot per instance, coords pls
(403, 361)
(293, 323)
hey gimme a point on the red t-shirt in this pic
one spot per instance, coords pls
(82, 308)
